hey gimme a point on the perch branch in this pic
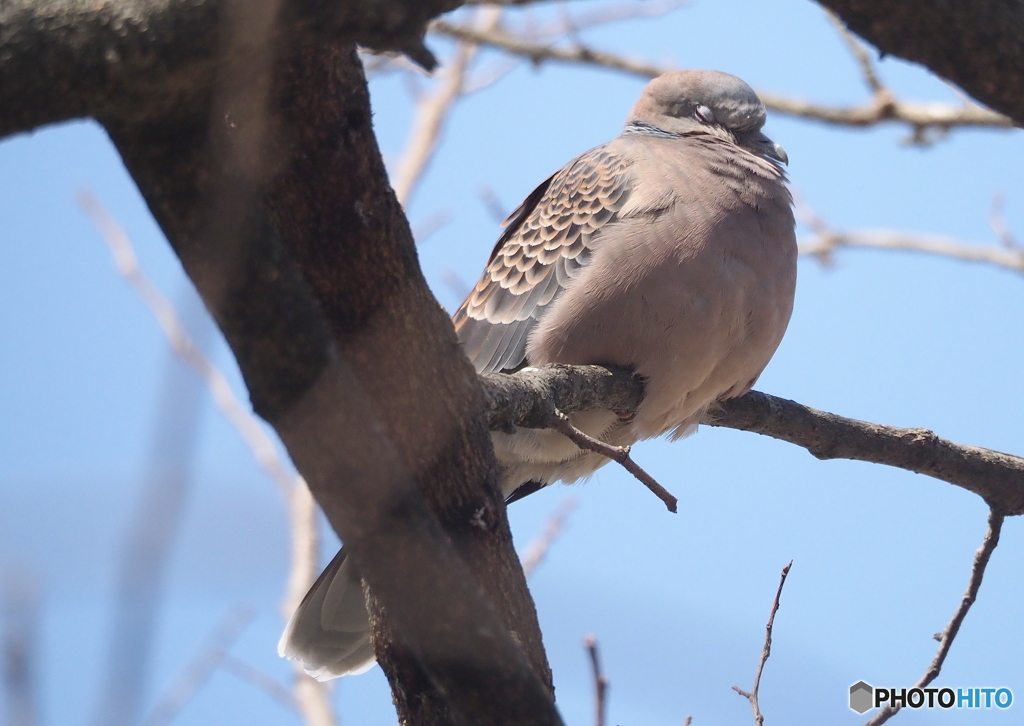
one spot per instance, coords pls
(880, 109)
(560, 423)
(765, 652)
(946, 638)
(523, 398)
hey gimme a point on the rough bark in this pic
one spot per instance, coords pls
(65, 59)
(265, 176)
(977, 44)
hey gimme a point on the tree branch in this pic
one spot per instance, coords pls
(946, 638)
(520, 399)
(920, 116)
(600, 681)
(64, 59)
(766, 652)
(977, 44)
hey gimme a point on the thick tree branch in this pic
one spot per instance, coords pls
(977, 44)
(64, 59)
(519, 400)
(879, 109)
(271, 189)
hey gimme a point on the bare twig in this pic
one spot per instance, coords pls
(456, 284)
(261, 680)
(537, 550)
(197, 672)
(688, 721)
(20, 596)
(239, 415)
(600, 681)
(824, 245)
(999, 225)
(492, 204)
(423, 229)
(152, 530)
(860, 53)
(765, 652)
(920, 116)
(311, 694)
(560, 423)
(946, 638)
(433, 109)
(826, 241)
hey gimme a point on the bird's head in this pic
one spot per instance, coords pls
(691, 103)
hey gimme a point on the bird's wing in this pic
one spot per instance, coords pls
(547, 240)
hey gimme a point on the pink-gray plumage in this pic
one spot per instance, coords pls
(669, 250)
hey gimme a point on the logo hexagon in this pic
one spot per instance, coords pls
(861, 697)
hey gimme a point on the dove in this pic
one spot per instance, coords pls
(669, 250)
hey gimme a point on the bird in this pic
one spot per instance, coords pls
(669, 251)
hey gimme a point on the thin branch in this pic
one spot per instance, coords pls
(194, 676)
(981, 560)
(537, 550)
(560, 423)
(526, 397)
(688, 721)
(20, 600)
(824, 245)
(920, 116)
(765, 652)
(860, 53)
(999, 225)
(237, 414)
(153, 529)
(492, 204)
(600, 681)
(261, 680)
(305, 542)
(826, 241)
(433, 110)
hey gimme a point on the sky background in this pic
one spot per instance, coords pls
(678, 602)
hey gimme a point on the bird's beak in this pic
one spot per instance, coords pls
(761, 144)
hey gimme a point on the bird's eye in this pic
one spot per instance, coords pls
(704, 114)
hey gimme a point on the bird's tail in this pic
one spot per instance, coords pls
(329, 633)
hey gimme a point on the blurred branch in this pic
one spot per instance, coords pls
(827, 241)
(261, 680)
(236, 413)
(766, 652)
(310, 694)
(433, 110)
(600, 681)
(860, 53)
(20, 595)
(999, 225)
(523, 398)
(538, 548)
(194, 676)
(946, 638)
(920, 116)
(152, 529)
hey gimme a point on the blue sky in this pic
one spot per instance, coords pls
(678, 603)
